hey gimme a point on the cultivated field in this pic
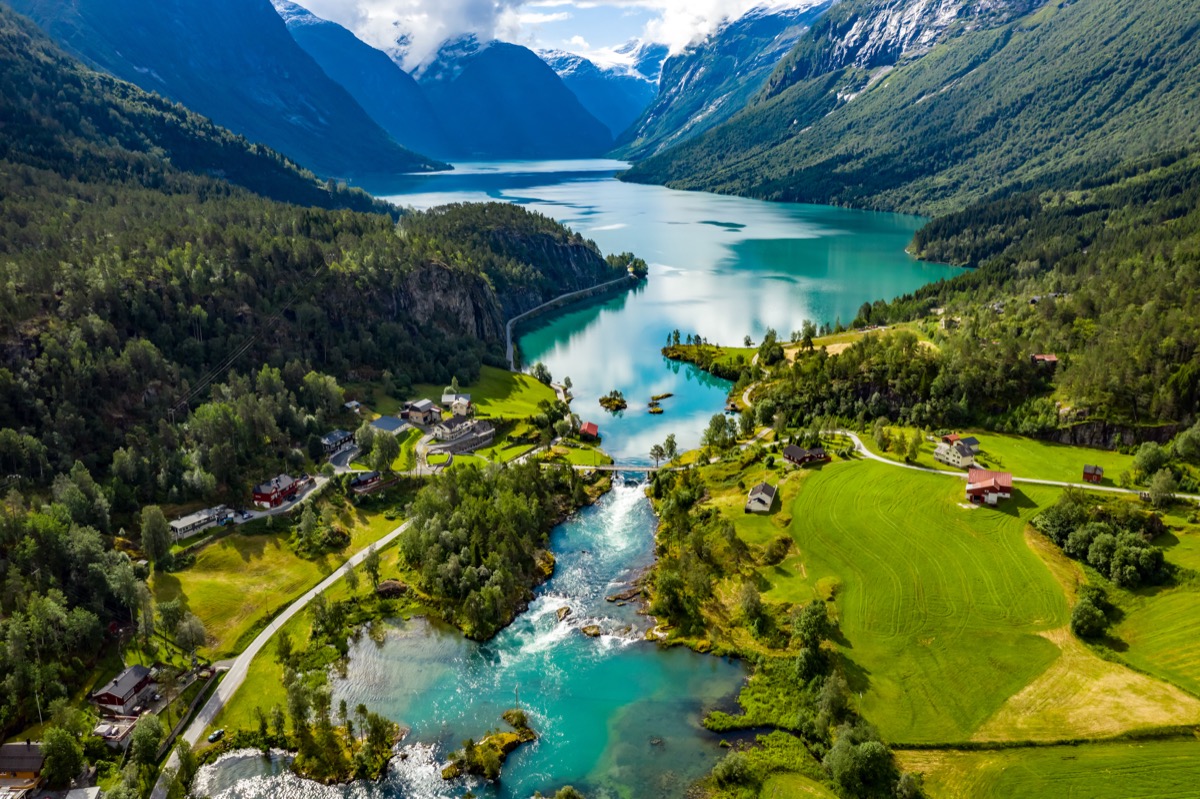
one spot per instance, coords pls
(1161, 632)
(239, 581)
(1123, 770)
(941, 606)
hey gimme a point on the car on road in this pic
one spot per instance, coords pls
(246, 514)
(216, 736)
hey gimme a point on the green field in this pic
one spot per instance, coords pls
(794, 786)
(1024, 457)
(1125, 770)
(940, 605)
(241, 580)
(497, 393)
(1161, 632)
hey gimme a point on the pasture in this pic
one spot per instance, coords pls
(940, 606)
(1159, 632)
(497, 393)
(1120, 770)
(1024, 457)
(242, 580)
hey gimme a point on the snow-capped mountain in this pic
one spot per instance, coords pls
(615, 85)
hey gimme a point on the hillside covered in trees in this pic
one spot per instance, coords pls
(1016, 95)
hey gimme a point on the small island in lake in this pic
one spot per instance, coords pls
(614, 401)
(486, 757)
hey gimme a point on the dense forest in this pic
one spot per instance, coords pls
(479, 539)
(1009, 104)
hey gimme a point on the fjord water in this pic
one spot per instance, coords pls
(618, 716)
(720, 267)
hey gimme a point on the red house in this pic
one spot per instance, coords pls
(589, 430)
(1093, 474)
(987, 487)
(276, 491)
(798, 456)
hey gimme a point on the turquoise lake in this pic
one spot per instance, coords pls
(618, 716)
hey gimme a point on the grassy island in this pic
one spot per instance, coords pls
(485, 758)
(614, 401)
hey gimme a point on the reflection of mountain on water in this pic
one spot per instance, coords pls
(583, 313)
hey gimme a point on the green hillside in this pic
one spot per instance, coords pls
(61, 116)
(1042, 100)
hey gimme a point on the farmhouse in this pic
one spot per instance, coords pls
(459, 404)
(422, 412)
(335, 441)
(276, 491)
(388, 424)
(956, 454)
(186, 525)
(353, 405)
(799, 456)
(124, 692)
(20, 768)
(970, 442)
(589, 430)
(365, 481)
(1047, 360)
(988, 487)
(761, 498)
(1093, 474)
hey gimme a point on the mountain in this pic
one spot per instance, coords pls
(234, 62)
(713, 79)
(389, 94)
(615, 86)
(916, 106)
(85, 125)
(499, 100)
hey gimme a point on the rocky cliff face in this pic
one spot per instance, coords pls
(453, 301)
(869, 34)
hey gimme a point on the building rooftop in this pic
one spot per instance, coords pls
(984, 478)
(764, 490)
(455, 422)
(25, 756)
(124, 682)
(388, 424)
(334, 436)
(421, 405)
(589, 429)
(274, 484)
(199, 517)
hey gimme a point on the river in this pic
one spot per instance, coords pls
(617, 716)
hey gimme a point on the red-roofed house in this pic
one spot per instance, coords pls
(988, 487)
(589, 430)
(1045, 360)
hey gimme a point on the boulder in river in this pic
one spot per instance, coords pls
(563, 612)
(591, 630)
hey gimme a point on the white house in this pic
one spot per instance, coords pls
(957, 454)
(761, 498)
(459, 404)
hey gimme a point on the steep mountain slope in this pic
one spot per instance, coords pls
(866, 112)
(233, 61)
(714, 79)
(616, 94)
(61, 116)
(389, 94)
(500, 100)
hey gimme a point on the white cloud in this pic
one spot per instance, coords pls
(578, 42)
(422, 25)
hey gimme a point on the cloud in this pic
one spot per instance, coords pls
(421, 26)
(578, 42)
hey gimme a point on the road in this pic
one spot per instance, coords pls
(240, 666)
(510, 351)
(860, 448)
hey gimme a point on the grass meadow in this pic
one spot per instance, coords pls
(242, 580)
(940, 606)
(497, 393)
(1119, 770)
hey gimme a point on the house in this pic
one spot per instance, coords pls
(1047, 360)
(276, 491)
(1093, 474)
(460, 434)
(363, 482)
(124, 692)
(114, 732)
(389, 424)
(589, 430)
(193, 522)
(353, 405)
(459, 404)
(452, 428)
(83, 793)
(957, 454)
(336, 441)
(988, 487)
(422, 412)
(761, 498)
(799, 456)
(20, 768)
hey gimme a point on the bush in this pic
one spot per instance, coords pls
(734, 769)
(1088, 621)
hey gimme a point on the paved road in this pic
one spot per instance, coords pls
(860, 448)
(240, 666)
(510, 352)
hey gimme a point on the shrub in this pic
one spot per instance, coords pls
(1088, 621)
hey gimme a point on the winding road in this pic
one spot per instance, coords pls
(239, 667)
